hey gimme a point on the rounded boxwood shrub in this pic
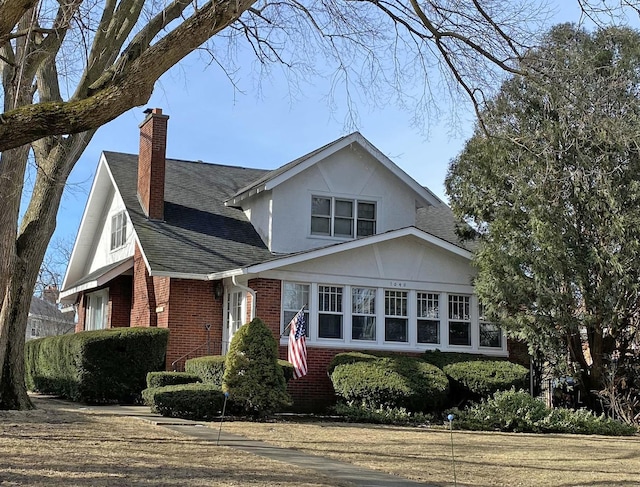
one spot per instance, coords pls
(392, 382)
(161, 379)
(484, 377)
(252, 377)
(188, 401)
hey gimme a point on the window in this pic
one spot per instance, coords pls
(294, 297)
(396, 317)
(459, 320)
(118, 230)
(490, 333)
(96, 312)
(329, 312)
(363, 318)
(428, 318)
(336, 216)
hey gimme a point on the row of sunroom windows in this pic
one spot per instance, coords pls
(360, 308)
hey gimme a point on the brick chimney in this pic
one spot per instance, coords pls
(151, 163)
(50, 294)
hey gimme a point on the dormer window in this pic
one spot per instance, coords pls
(339, 217)
(118, 230)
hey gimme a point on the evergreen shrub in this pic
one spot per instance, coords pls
(188, 401)
(441, 359)
(210, 369)
(484, 377)
(161, 379)
(253, 377)
(517, 411)
(391, 382)
(99, 366)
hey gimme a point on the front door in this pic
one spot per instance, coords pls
(234, 316)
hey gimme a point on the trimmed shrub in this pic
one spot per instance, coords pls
(210, 369)
(188, 401)
(391, 382)
(519, 412)
(350, 358)
(484, 377)
(161, 379)
(442, 359)
(252, 377)
(96, 366)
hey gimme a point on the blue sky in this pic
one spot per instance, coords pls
(210, 121)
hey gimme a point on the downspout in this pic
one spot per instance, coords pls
(250, 291)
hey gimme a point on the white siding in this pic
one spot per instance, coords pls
(350, 173)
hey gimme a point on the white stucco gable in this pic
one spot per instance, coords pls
(349, 171)
(92, 250)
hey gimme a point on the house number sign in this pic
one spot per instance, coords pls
(397, 284)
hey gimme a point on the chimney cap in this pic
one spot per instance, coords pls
(155, 111)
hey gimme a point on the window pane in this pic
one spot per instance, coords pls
(329, 326)
(428, 331)
(367, 211)
(363, 327)
(366, 228)
(490, 335)
(363, 300)
(321, 206)
(294, 296)
(428, 305)
(343, 227)
(459, 333)
(459, 307)
(395, 303)
(395, 330)
(344, 208)
(321, 225)
(330, 298)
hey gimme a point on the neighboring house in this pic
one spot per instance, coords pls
(203, 248)
(45, 319)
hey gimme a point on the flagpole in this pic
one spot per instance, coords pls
(288, 327)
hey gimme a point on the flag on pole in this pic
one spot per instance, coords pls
(298, 345)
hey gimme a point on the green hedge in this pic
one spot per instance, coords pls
(390, 382)
(96, 366)
(210, 369)
(350, 358)
(442, 359)
(161, 379)
(188, 401)
(484, 377)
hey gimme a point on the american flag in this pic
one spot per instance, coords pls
(298, 345)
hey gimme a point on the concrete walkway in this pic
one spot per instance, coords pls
(346, 472)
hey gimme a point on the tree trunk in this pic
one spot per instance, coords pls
(55, 161)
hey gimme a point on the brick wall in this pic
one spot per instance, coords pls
(143, 300)
(191, 306)
(120, 301)
(82, 313)
(268, 293)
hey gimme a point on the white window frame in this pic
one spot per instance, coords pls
(97, 319)
(367, 310)
(289, 312)
(331, 303)
(454, 301)
(428, 310)
(332, 216)
(483, 322)
(118, 230)
(397, 297)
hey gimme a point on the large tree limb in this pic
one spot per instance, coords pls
(131, 85)
(11, 11)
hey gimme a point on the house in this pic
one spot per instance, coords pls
(45, 319)
(202, 248)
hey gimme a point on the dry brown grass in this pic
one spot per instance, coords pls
(56, 446)
(482, 459)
